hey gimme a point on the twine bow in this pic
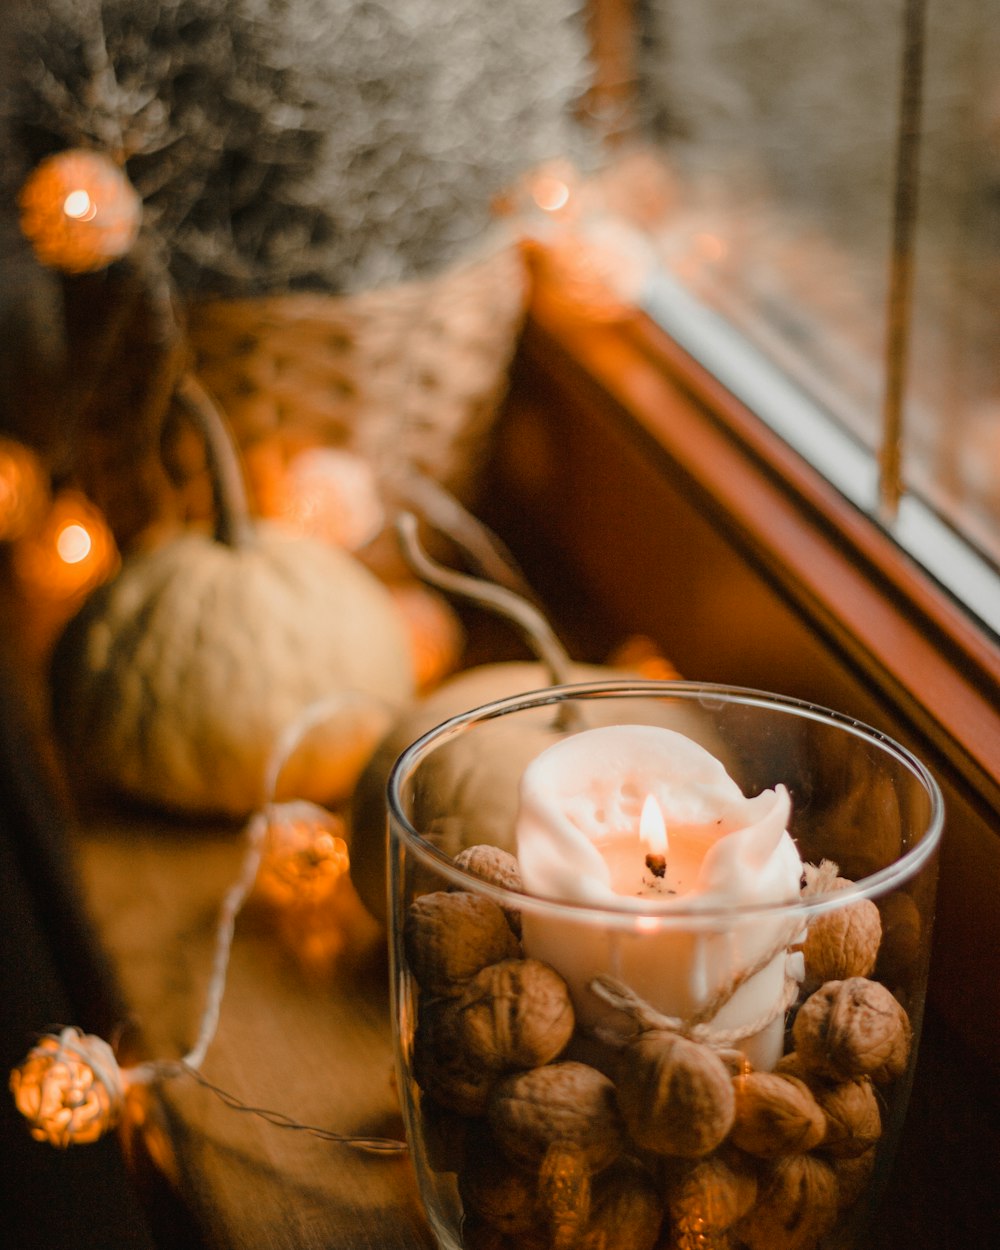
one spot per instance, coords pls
(817, 879)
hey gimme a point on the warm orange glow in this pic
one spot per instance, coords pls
(79, 211)
(79, 206)
(69, 1088)
(73, 543)
(331, 494)
(22, 490)
(437, 638)
(71, 552)
(305, 855)
(711, 247)
(550, 193)
(652, 829)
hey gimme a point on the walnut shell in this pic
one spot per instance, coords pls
(775, 1115)
(676, 1095)
(852, 1028)
(569, 1103)
(449, 937)
(710, 1196)
(843, 943)
(797, 1205)
(514, 1014)
(853, 1119)
(497, 1190)
(500, 867)
(853, 1175)
(626, 1212)
(441, 1069)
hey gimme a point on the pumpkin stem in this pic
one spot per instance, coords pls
(232, 512)
(499, 599)
(444, 513)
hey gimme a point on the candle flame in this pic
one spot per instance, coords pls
(652, 828)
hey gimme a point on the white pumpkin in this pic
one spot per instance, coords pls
(176, 680)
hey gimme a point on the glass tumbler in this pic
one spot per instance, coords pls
(695, 1064)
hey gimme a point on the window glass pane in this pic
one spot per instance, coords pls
(953, 400)
(779, 123)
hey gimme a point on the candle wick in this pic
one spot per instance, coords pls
(657, 864)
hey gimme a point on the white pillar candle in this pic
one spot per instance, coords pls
(583, 837)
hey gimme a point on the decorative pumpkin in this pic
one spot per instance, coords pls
(483, 782)
(476, 781)
(177, 680)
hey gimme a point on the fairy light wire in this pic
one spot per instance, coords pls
(255, 833)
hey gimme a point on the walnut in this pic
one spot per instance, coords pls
(775, 1115)
(853, 1175)
(853, 1119)
(514, 1014)
(709, 1196)
(791, 1064)
(566, 1103)
(852, 1028)
(442, 1071)
(625, 1210)
(675, 1094)
(796, 1205)
(843, 943)
(449, 937)
(500, 867)
(495, 1189)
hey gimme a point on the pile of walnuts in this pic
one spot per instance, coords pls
(661, 1142)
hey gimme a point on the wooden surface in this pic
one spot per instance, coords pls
(308, 1037)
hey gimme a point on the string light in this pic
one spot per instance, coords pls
(22, 490)
(70, 553)
(70, 1087)
(304, 854)
(330, 494)
(79, 211)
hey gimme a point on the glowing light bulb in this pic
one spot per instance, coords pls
(69, 1088)
(550, 193)
(79, 206)
(73, 543)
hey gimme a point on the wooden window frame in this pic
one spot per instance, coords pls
(591, 527)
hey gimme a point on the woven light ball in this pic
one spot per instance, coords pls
(79, 211)
(69, 1088)
(331, 494)
(304, 854)
(69, 553)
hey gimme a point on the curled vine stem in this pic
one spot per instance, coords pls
(498, 599)
(232, 512)
(441, 510)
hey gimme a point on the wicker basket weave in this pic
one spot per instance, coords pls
(408, 377)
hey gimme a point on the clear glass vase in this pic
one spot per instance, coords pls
(719, 1062)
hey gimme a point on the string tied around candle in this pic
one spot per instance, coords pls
(698, 1027)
